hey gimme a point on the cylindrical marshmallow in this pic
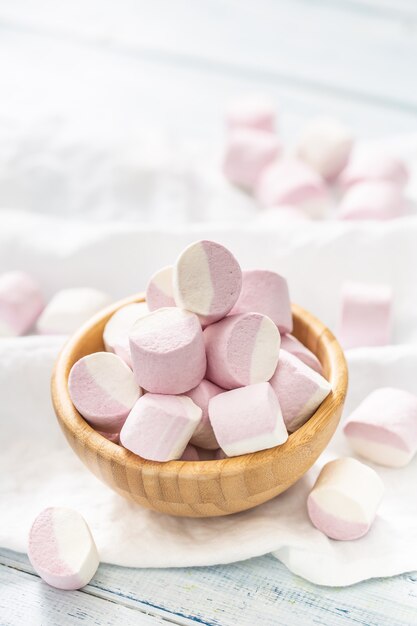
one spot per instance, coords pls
(61, 549)
(159, 427)
(167, 349)
(241, 350)
(69, 309)
(21, 303)
(374, 166)
(190, 454)
(383, 428)
(298, 349)
(207, 280)
(345, 498)
(246, 155)
(160, 290)
(203, 435)
(113, 437)
(300, 390)
(247, 419)
(103, 389)
(251, 111)
(267, 293)
(116, 331)
(372, 201)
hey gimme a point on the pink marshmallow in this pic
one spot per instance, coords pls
(113, 437)
(295, 347)
(190, 454)
(159, 427)
(299, 389)
(253, 111)
(116, 331)
(207, 280)
(241, 350)
(247, 419)
(247, 153)
(374, 166)
(159, 292)
(103, 389)
(372, 201)
(21, 303)
(167, 349)
(267, 293)
(203, 435)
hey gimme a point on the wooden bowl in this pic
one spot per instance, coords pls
(202, 488)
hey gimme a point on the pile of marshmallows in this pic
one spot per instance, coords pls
(301, 183)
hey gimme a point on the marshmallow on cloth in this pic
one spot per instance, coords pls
(300, 390)
(62, 549)
(374, 166)
(159, 426)
(103, 389)
(247, 153)
(167, 349)
(325, 144)
(160, 291)
(203, 435)
(247, 419)
(383, 428)
(116, 331)
(69, 309)
(345, 499)
(21, 303)
(207, 280)
(241, 350)
(298, 349)
(372, 201)
(366, 315)
(251, 111)
(267, 293)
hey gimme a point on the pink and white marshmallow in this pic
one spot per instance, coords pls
(241, 350)
(246, 155)
(167, 350)
(103, 389)
(116, 331)
(160, 290)
(345, 498)
(372, 167)
(61, 549)
(247, 419)
(298, 349)
(251, 111)
(159, 427)
(267, 293)
(372, 201)
(203, 436)
(69, 309)
(300, 390)
(207, 280)
(366, 315)
(21, 303)
(383, 428)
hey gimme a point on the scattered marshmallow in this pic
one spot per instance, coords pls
(247, 419)
(345, 498)
(167, 349)
(374, 166)
(203, 435)
(300, 390)
(116, 331)
(69, 309)
(325, 145)
(160, 292)
(372, 201)
(267, 293)
(254, 111)
(247, 153)
(61, 549)
(207, 280)
(298, 349)
(366, 315)
(241, 350)
(103, 389)
(21, 303)
(159, 427)
(383, 428)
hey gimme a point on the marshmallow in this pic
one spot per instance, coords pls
(190, 454)
(21, 303)
(254, 111)
(300, 390)
(203, 435)
(366, 315)
(61, 549)
(291, 182)
(247, 419)
(295, 347)
(69, 309)
(159, 292)
(116, 331)
(325, 145)
(241, 350)
(113, 437)
(344, 499)
(207, 280)
(247, 153)
(159, 427)
(374, 166)
(267, 293)
(167, 349)
(103, 389)
(383, 428)
(372, 201)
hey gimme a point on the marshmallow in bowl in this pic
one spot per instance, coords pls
(246, 155)
(190, 453)
(298, 349)
(159, 292)
(325, 144)
(103, 389)
(374, 166)
(383, 428)
(251, 111)
(241, 350)
(116, 331)
(377, 200)
(300, 390)
(247, 419)
(21, 303)
(69, 309)
(345, 498)
(203, 436)
(207, 280)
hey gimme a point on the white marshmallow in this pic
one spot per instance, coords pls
(325, 144)
(116, 331)
(69, 309)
